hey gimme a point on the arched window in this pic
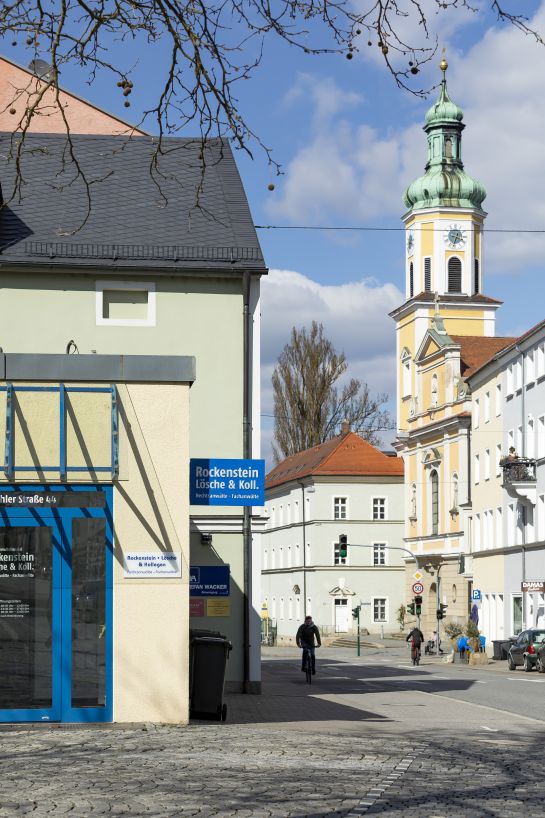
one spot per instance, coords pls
(434, 484)
(411, 280)
(454, 492)
(448, 148)
(434, 390)
(454, 275)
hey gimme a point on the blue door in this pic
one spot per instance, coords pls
(56, 603)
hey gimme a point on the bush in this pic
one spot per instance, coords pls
(471, 630)
(453, 630)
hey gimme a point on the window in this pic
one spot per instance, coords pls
(406, 377)
(476, 282)
(510, 524)
(411, 280)
(379, 553)
(519, 440)
(540, 368)
(541, 436)
(454, 491)
(486, 407)
(434, 480)
(541, 517)
(530, 367)
(486, 464)
(454, 274)
(379, 508)
(427, 275)
(518, 375)
(125, 303)
(434, 390)
(339, 508)
(476, 413)
(509, 380)
(273, 608)
(477, 532)
(337, 559)
(281, 557)
(530, 438)
(498, 458)
(510, 439)
(289, 557)
(379, 609)
(288, 514)
(498, 400)
(476, 469)
(499, 529)
(530, 534)
(297, 555)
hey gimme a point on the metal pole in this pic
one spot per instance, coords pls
(304, 553)
(247, 453)
(359, 642)
(438, 594)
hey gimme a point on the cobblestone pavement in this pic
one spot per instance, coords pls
(323, 759)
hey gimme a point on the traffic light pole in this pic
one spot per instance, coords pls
(438, 609)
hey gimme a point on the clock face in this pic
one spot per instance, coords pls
(410, 242)
(455, 236)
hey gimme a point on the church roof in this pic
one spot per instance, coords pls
(347, 455)
(477, 350)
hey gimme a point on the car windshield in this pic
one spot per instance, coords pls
(538, 636)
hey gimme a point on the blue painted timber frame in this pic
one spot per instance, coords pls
(60, 521)
(62, 468)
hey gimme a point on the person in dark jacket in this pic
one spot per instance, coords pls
(306, 634)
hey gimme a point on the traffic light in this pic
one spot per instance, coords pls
(418, 605)
(356, 612)
(441, 610)
(343, 545)
(462, 564)
(410, 608)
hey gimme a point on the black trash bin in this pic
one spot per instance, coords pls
(498, 649)
(208, 659)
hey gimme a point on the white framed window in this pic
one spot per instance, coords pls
(340, 508)
(530, 437)
(541, 436)
(509, 381)
(476, 413)
(540, 364)
(498, 458)
(530, 533)
(406, 377)
(272, 518)
(288, 514)
(281, 515)
(337, 559)
(380, 609)
(476, 469)
(273, 608)
(498, 400)
(281, 608)
(296, 512)
(290, 607)
(510, 439)
(477, 532)
(486, 464)
(281, 557)
(379, 553)
(308, 554)
(486, 407)
(530, 367)
(298, 608)
(518, 374)
(297, 554)
(541, 517)
(499, 528)
(125, 303)
(379, 508)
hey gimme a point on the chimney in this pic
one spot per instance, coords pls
(345, 427)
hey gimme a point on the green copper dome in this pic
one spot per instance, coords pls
(445, 183)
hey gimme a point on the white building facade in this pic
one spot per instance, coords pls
(344, 486)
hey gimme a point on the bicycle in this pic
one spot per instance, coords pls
(415, 654)
(307, 664)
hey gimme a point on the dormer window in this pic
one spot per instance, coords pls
(454, 275)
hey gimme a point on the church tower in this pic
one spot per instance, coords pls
(443, 246)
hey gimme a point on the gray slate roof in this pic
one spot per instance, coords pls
(141, 216)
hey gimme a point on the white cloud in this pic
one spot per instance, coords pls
(355, 318)
(353, 173)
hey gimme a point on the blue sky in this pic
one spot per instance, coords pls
(349, 142)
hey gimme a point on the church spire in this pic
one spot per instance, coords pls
(445, 183)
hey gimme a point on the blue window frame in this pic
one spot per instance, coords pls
(69, 674)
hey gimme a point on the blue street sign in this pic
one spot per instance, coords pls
(476, 594)
(209, 580)
(226, 482)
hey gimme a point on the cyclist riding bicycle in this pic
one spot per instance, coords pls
(306, 633)
(416, 637)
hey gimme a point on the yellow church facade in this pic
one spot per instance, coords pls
(445, 329)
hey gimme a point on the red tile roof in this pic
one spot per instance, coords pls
(346, 455)
(477, 350)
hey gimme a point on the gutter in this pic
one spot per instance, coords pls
(247, 453)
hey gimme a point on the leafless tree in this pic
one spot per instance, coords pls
(213, 45)
(309, 407)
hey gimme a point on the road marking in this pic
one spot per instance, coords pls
(490, 729)
(481, 682)
(523, 679)
(482, 706)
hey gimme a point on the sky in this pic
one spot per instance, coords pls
(349, 142)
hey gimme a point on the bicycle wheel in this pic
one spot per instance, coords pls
(308, 668)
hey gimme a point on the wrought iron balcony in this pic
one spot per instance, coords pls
(518, 470)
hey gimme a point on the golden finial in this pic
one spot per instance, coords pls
(443, 65)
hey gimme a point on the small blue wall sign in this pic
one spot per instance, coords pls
(476, 595)
(214, 482)
(209, 580)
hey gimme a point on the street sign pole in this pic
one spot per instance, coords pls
(359, 643)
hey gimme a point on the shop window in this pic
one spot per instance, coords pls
(125, 304)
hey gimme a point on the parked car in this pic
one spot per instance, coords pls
(525, 650)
